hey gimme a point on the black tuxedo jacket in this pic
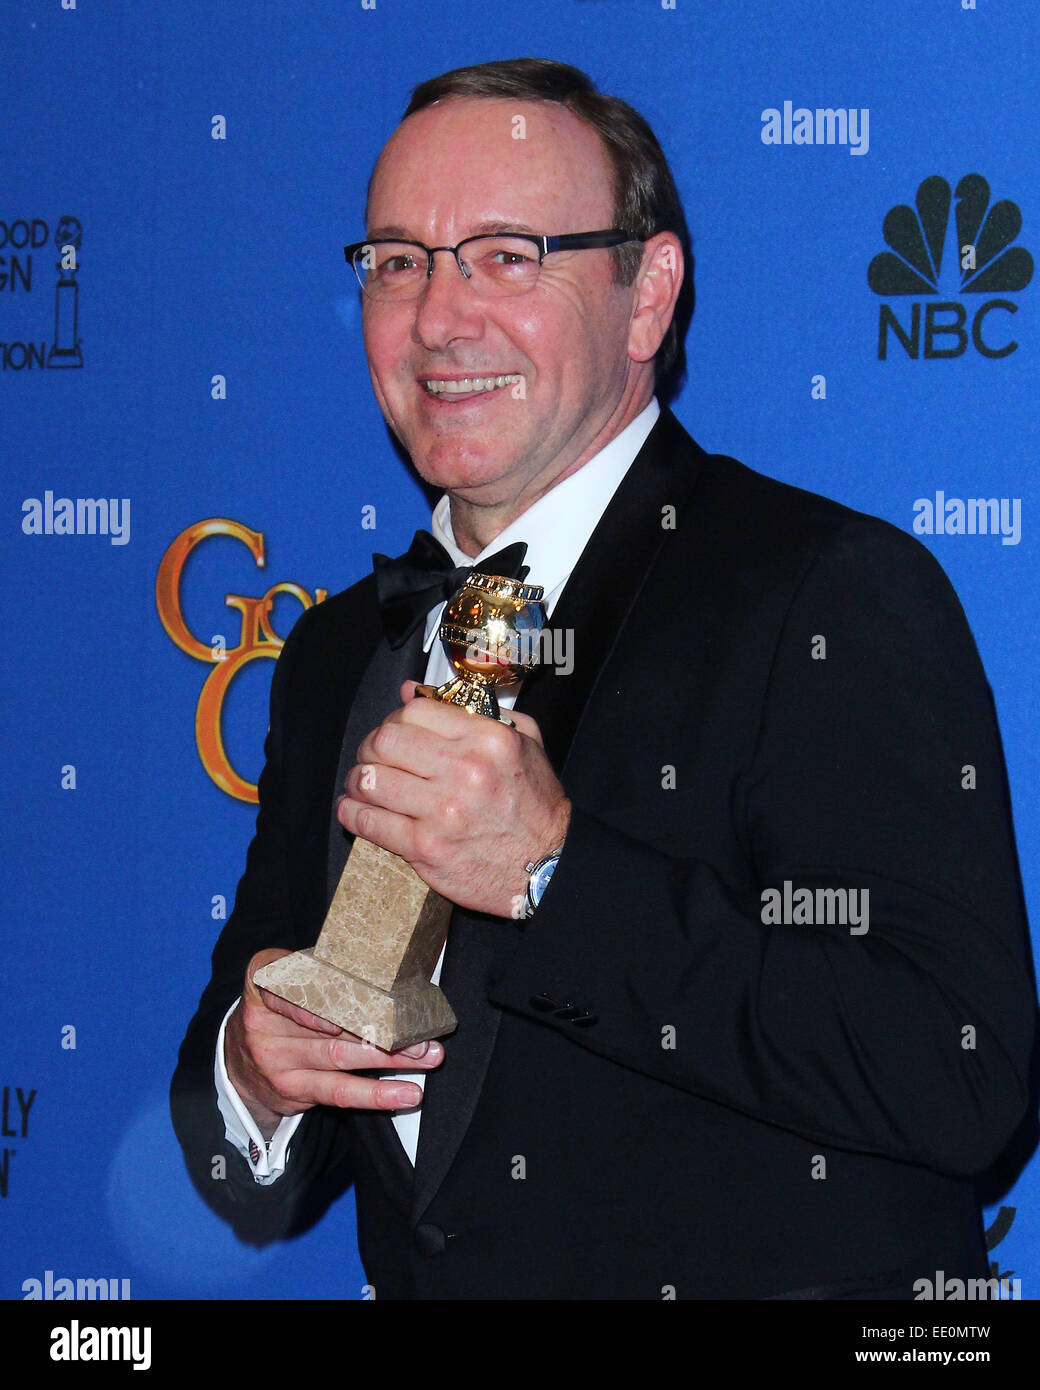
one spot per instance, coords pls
(652, 1089)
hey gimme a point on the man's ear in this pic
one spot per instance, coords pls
(656, 288)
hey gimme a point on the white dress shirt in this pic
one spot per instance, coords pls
(556, 529)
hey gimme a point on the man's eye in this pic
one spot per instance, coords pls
(397, 263)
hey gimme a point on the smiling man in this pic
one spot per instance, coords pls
(655, 1089)
(578, 350)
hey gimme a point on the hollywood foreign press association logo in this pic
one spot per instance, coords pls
(23, 256)
(972, 253)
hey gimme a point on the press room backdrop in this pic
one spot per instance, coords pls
(199, 359)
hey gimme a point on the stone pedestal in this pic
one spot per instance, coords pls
(369, 971)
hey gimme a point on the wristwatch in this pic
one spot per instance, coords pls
(539, 875)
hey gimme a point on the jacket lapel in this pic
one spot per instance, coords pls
(607, 579)
(594, 605)
(376, 697)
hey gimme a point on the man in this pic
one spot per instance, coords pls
(773, 1008)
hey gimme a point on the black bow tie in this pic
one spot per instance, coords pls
(424, 576)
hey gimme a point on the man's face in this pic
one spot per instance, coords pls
(451, 171)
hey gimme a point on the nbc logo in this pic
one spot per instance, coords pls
(923, 261)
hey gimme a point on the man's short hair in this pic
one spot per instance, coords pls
(646, 200)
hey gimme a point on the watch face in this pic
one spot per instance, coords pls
(541, 879)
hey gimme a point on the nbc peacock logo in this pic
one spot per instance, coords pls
(972, 253)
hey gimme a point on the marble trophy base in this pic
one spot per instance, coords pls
(369, 971)
(412, 1012)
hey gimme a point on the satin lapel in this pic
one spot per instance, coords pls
(377, 694)
(594, 605)
(607, 580)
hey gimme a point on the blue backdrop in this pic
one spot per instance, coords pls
(200, 358)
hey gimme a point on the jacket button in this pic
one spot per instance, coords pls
(542, 1003)
(585, 1020)
(429, 1239)
(569, 1011)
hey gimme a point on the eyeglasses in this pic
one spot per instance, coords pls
(504, 264)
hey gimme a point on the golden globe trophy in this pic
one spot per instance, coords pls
(369, 971)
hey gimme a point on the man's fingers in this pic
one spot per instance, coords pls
(300, 1053)
(282, 1059)
(395, 744)
(405, 793)
(319, 1072)
(276, 1005)
(419, 1056)
(388, 829)
(348, 1091)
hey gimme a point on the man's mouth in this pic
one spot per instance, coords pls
(456, 388)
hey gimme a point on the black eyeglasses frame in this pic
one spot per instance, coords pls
(567, 241)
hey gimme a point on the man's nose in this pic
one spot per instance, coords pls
(446, 305)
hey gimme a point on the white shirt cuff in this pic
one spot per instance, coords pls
(266, 1157)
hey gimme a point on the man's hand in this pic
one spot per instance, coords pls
(467, 801)
(282, 1060)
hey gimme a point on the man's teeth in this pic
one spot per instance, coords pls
(468, 384)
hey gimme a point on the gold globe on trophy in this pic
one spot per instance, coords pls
(491, 631)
